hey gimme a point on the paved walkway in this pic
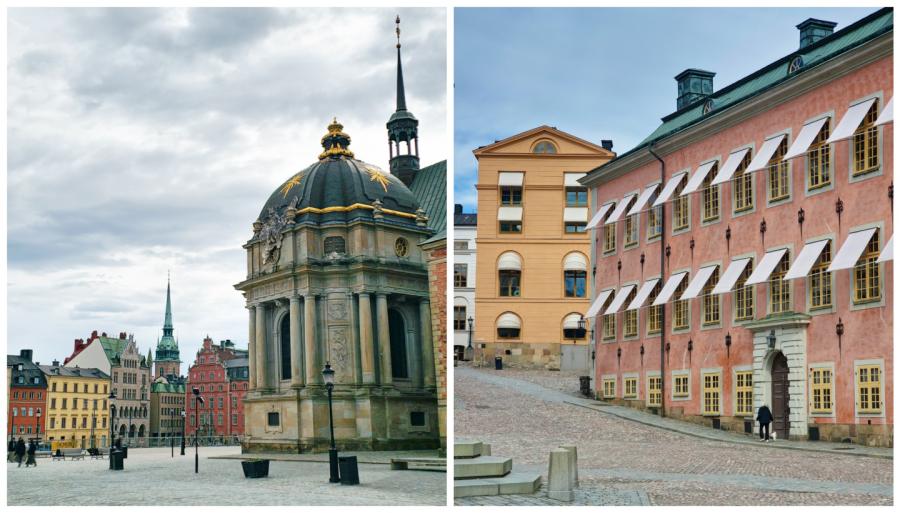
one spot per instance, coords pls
(153, 477)
(632, 456)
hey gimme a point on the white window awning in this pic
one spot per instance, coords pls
(509, 214)
(619, 300)
(571, 179)
(806, 136)
(575, 261)
(598, 303)
(669, 189)
(730, 165)
(806, 259)
(509, 261)
(509, 320)
(643, 294)
(851, 120)
(697, 178)
(669, 288)
(731, 275)
(765, 267)
(853, 247)
(764, 155)
(887, 252)
(620, 209)
(513, 179)
(643, 199)
(571, 321)
(598, 217)
(699, 281)
(887, 115)
(575, 214)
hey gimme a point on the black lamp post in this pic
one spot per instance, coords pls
(112, 418)
(196, 439)
(328, 377)
(38, 425)
(182, 432)
(469, 353)
(93, 425)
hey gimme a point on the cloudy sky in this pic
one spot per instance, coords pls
(600, 73)
(147, 140)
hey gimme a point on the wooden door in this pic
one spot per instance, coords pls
(780, 397)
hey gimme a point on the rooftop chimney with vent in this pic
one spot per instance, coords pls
(457, 208)
(26, 354)
(607, 144)
(56, 363)
(693, 84)
(813, 30)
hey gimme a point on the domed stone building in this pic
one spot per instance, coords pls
(338, 273)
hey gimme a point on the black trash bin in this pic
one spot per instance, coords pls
(125, 452)
(585, 385)
(348, 470)
(498, 363)
(116, 461)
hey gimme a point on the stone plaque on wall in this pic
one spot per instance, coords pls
(339, 353)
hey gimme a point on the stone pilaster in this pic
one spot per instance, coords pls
(262, 380)
(384, 339)
(427, 343)
(251, 348)
(296, 350)
(366, 343)
(313, 372)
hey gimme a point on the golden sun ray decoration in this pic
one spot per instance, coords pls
(377, 175)
(288, 185)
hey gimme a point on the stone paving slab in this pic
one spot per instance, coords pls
(582, 498)
(152, 477)
(369, 457)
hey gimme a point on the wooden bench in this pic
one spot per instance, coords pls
(423, 463)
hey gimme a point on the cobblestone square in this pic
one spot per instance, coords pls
(153, 477)
(623, 459)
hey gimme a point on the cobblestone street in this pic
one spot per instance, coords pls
(525, 414)
(152, 477)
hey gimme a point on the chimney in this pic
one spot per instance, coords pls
(56, 363)
(813, 30)
(457, 208)
(121, 335)
(607, 144)
(26, 354)
(693, 84)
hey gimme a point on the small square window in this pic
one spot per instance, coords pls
(417, 418)
(273, 419)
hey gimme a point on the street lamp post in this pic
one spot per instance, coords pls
(196, 439)
(38, 425)
(328, 377)
(93, 424)
(112, 418)
(469, 353)
(182, 432)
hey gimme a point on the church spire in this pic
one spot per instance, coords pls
(167, 325)
(403, 130)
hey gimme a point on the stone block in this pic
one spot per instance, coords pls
(485, 449)
(482, 466)
(467, 448)
(574, 463)
(560, 478)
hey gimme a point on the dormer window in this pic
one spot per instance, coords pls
(795, 64)
(708, 106)
(544, 147)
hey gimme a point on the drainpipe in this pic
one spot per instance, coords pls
(662, 273)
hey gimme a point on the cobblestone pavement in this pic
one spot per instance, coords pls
(152, 477)
(525, 414)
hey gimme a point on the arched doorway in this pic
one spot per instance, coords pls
(781, 396)
(397, 328)
(285, 342)
(141, 431)
(122, 431)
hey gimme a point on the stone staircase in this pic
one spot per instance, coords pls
(477, 472)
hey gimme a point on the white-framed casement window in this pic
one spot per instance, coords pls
(681, 209)
(778, 172)
(743, 392)
(654, 313)
(779, 288)
(710, 197)
(654, 390)
(609, 387)
(865, 144)
(631, 229)
(818, 160)
(869, 387)
(821, 390)
(681, 309)
(820, 281)
(867, 273)
(742, 187)
(712, 393)
(710, 302)
(743, 295)
(609, 238)
(681, 384)
(630, 317)
(630, 386)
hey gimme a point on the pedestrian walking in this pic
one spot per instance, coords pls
(32, 448)
(20, 451)
(11, 450)
(764, 417)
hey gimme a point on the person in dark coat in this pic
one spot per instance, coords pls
(11, 450)
(32, 448)
(20, 451)
(764, 417)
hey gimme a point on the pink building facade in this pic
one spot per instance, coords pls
(812, 337)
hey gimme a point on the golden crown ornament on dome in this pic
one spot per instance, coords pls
(335, 142)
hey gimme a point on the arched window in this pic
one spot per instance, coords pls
(544, 147)
(571, 327)
(575, 274)
(509, 269)
(795, 64)
(285, 343)
(508, 325)
(397, 329)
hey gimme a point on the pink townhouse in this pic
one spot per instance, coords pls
(743, 250)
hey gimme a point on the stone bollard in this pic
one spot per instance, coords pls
(561, 479)
(574, 460)
(485, 449)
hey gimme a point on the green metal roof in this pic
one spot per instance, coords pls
(167, 388)
(430, 188)
(866, 29)
(112, 347)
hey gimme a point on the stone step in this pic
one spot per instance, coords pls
(482, 466)
(467, 448)
(513, 483)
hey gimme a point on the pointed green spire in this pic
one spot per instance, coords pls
(167, 325)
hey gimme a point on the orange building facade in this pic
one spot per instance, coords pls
(770, 283)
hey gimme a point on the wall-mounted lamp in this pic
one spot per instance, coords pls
(728, 239)
(762, 231)
(839, 329)
(642, 355)
(668, 253)
(728, 344)
(770, 338)
(839, 208)
(690, 349)
(619, 355)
